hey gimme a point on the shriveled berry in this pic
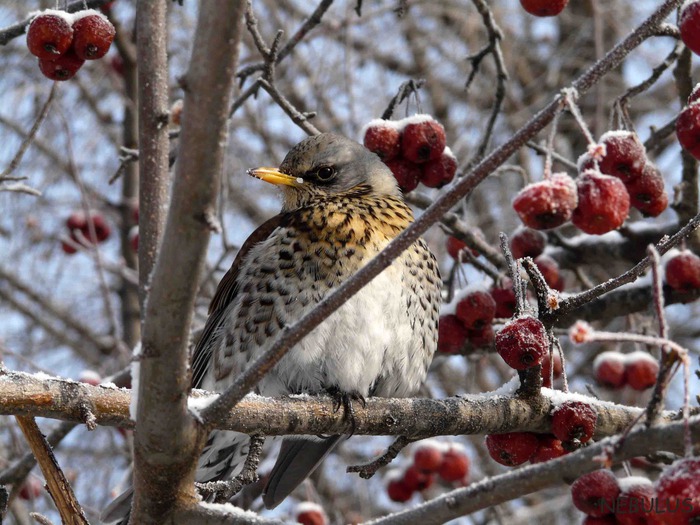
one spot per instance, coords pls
(688, 129)
(689, 23)
(423, 139)
(678, 492)
(476, 308)
(49, 34)
(454, 466)
(549, 447)
(526, 242)
(522, 342)
(647, 192)
(641, 370)
(512, 448)
(548, 203)
(625, 155)
(406, 173)
(683, 271)
(93, 34)
(595, 493)
(439, 172)
(544, 7)
(504, 295)
(62, 67)
(574, 420)
(609, 369)
(427, 457)
(383, 138)
(451, 334)
(549, 268)
(603, 203)
(636, 503)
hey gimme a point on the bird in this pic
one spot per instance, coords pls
(341, 206)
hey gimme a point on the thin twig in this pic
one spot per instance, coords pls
(368, 470)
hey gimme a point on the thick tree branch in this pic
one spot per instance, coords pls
(169, 440)
(25, 394)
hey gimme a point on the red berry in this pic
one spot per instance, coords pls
(602, 520)
(457, 249)
(625, 155)
(423, 139)
(398, 491)
(406, 173)
(437, 173)
(522, 343)
(451, 334)
(455, 465)
(548, 203)
(549, 268)
(688, 129)
(93, 34)
(49, 34)
(548, 448)
(513, 448)
(427, 456)
(383, 138)
(641, 370)
(603, 203)
(90, 377)
(30, 489)
(689, 24)
(678, 492)
(609, 369)
(68, 248)
(476, 308)
(527, 242)
(63, 67)
(595, 493)
(308, 513)
(636, 503)
(481, 338)
(574, 420)
(417, 480)
(683, 272)
(547, 371)
(647, 192)
(544, 7)
(504, 295)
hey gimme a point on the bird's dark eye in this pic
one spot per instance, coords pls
(325, 173)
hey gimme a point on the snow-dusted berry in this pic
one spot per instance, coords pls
(603, 203)
(526, 242)
(636, 503)
(522, 342)
(476, 308)
(423, 139)
(641, 370)
(609, 369)
(308, 513)
(439, 172)
(93, 34)
(678, 489)
(549, 447)
(62, 67)
(683, 271)
(647, 192)
(574, 420)
(548, 203)
(625, 155)
(595, 493)
(49, 34)
(383, 138)
(406, 173)
(688, 129)
(689, 24)
(512, 448)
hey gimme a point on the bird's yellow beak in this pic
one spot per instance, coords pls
(275, 176)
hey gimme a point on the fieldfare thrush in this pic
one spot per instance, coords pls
(341, 207)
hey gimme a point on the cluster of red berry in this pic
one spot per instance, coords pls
(414, 149)
(64, 41)
(573, 423)
(449, 461)
(85, 230)
(544, 7)
(674, 499)
(613, 369)
(614, 175)
(309, 513)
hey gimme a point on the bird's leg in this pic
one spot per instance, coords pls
(346, 399)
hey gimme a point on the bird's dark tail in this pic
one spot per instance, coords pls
(297, 459)
(117, 512)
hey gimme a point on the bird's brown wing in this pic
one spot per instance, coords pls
(225, 293)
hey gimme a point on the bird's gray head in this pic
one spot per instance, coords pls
(325, 165)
